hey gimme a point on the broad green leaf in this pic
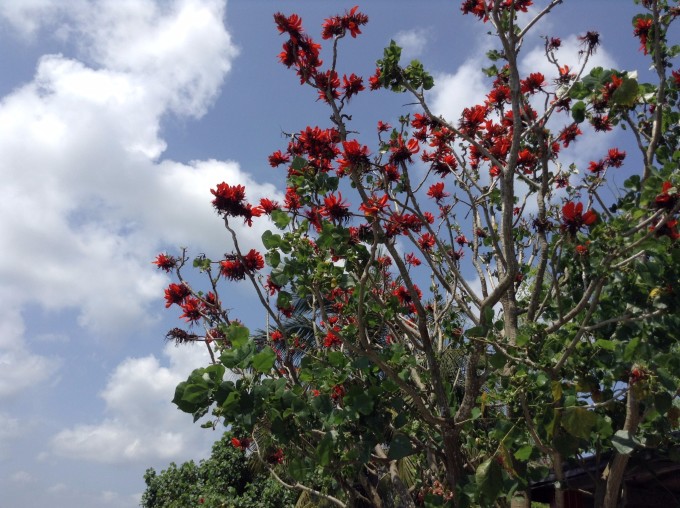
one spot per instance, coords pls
(270, 240)
(489, 478)
(623, 442)
(578, 112)
(264, 360)
(325, 449)
(400, 447)
(578, 421)
(280, 218)
(524, 452)
(237, 335)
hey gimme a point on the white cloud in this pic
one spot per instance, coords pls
(142, 425)
(454, 92)
(86, 204)
(412, 43)
(19, 368)
(22, 477)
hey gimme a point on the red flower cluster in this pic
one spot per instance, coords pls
(355, 155)
(668, 198)
(175, 294)
(337, 26)
(436, 192)
(242, 443)
(235, 268)
(230, 201)
(574, 219)
(642, 29)
(165, 262)
(614, 159)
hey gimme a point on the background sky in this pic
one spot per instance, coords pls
(117, 117)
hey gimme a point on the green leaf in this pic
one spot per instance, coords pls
(609, 345)
(524, 452)
(270, 240)
(325, 449)
(280, 218)
(578, 421)
(400, 447)
(489, 478)
(238, 335)
(623, 442)
(626, 94)
(298, 164)
(578, 112)
(264, 360)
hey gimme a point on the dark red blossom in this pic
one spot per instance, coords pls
(355, 156)
(242, 443)
(292, 199)
(436, 191)
(276, 335)
(476, 8)
(176, 293)
(233, 269)
(374, 205)
(426, 241)
(601, 123)
(192, 310)
(412, 260)
(276, 457)
(165, 262)
(596, 167)
(554, 43)
(352, 85)
(383, 127)
(338, 392)
(401, 151)
(568, 134)
(615, 158)
(532, 83)
(374, 82)
(642, 29)
(668, 198)
(253, 261)
(278, 158)
(331, 339)
(574, 219)
(229, 199)
(335, 208)
(268, 206)
(590, 41)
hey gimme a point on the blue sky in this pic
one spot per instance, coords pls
(116, 120)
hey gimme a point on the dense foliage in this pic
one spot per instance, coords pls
(225, 480)
(459, 309)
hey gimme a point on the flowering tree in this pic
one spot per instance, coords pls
(476, 310)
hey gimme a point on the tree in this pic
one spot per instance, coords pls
(225, 480)
(476, 322)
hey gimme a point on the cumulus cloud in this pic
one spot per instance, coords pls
(412, 43)
(142, 425)
(86, 202)
(454, 92)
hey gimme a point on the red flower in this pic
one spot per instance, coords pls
(352, 85)
(335, 208)
(276, 457)
(355, 155)
(596, 167)
(291, 24)
(642, 28)
(426, 241)
(176, 293)
(476, 8)
(615, 158)
(165, 262)
(601, 123)
(374, 205)
(569, 134)
(676, 77)
(292, 199)
(383, 127)
(268, 206)
(554, 43)
(666, 200)
(403, 151)
(461, 240)
(331, 340)
(243, 444)
(233, 269)
(278, 158)
(436, 192)
(374, 81)
(412, 260)
(532, 83)
(253, 261)
(229, 199)
(276, 335)
(192, 310)
(271, 287)
(353, 20)
(338, 392)
(574, 219)
(582, 250)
